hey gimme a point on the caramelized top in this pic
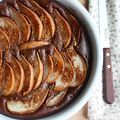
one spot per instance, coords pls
(41, 63)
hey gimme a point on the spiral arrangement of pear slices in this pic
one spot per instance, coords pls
(31, 63)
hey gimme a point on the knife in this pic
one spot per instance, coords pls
(108, 90)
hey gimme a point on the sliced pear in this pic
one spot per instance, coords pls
(2, 78)
(9, 81)
(30, 105)
(57, 41)
(70, 19)
(56, 99)
(47, 63)
(10, 29)
(66, 77)
(76, 30)
(80, 68)
(63, 27)
(22, 76)
(36, 24)
(4, 45)
(33, 44)
(46, 19)
(60, 85)
(22, 24)
(48, 68)
(34, 59)
(16, 71)
(58, 66)
(29, 75)
(39, 74)
(4, 41)
(1, 58)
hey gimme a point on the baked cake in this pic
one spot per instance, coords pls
(43, 57)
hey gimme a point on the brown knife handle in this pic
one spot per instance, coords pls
(108, 90)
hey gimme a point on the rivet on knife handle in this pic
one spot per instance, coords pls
(108, 91)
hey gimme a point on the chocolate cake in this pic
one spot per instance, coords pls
(44, 56)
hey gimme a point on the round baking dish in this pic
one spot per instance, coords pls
(96, 61)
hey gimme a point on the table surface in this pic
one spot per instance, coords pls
(81, 115)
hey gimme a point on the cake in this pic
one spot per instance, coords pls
(44, 58)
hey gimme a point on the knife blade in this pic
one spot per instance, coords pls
(108, 90)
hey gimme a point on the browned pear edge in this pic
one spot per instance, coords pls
(41, 72)
(76, 38)
(50, 69)
(56, 99)
(65, 84)
(31, 81)
(83, 74)
(60, 66)
(15, 33)
(67, 40)
(2, 46)
(20, 21)
(48, 22)
(33, 44)
(11, 89)
(13, 63)
(1, 59)
(51, 61)
(22, 74)
(40, 96)
(34, 20)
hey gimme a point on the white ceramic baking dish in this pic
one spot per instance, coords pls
(97, 58)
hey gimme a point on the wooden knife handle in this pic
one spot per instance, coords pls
(108, 90)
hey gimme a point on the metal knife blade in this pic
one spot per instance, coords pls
(108, 90)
